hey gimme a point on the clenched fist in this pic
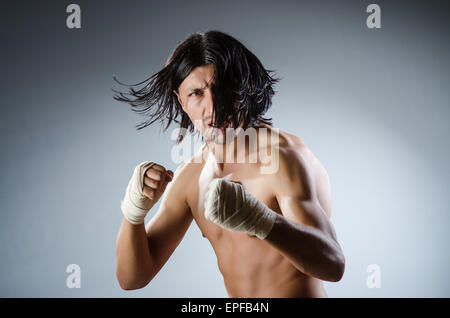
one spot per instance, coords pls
(229, 205)
(146, 186)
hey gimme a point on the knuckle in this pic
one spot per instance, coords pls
(158, 167)
(161, 168)
(156, 172)
(151, 183)
(147, 191)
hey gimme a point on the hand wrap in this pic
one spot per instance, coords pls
(135, 205)
(231, 206)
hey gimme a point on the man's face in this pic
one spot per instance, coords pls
(196, 97)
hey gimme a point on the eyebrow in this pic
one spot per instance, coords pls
(196, 88)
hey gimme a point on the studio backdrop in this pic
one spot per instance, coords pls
(365, 84)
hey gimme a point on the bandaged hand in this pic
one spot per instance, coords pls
(145, 187)
(229, 205)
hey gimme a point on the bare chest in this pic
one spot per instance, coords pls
(246, 174)
(258, 184)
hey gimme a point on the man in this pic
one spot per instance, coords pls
(270, 229)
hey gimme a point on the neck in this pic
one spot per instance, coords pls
(222, 152)
(234, 147)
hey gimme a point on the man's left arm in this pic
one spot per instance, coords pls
(304, 233)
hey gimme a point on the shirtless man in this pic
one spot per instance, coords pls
(271, 232)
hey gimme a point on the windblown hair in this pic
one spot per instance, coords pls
(242, 92)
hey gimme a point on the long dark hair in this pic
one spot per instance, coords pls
(242, 92)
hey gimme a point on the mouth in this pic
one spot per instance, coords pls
(225, 125)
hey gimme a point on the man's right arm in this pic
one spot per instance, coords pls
(142, 252)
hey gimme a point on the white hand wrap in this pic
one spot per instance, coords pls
(231, 206)
(135, 205)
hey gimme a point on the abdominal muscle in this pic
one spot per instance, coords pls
(252, 268)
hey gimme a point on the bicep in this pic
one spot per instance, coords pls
(167, 227)
(304, 211)
(308, 212)
(296, 193)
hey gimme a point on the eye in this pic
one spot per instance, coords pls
(196, 93)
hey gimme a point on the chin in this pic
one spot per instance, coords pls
(215, 135)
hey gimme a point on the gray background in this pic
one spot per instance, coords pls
(373, 105)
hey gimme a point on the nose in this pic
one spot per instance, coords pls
(208, 106)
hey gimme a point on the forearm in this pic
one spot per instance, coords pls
(311, 251)
(134, 264)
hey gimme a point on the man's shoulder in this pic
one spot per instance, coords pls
(188, 168)
(288, 145)
(297, 165)
(272, 136)
(182, 182)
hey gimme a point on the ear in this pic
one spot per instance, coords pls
(179, 99)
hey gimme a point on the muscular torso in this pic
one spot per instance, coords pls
(251, 267)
